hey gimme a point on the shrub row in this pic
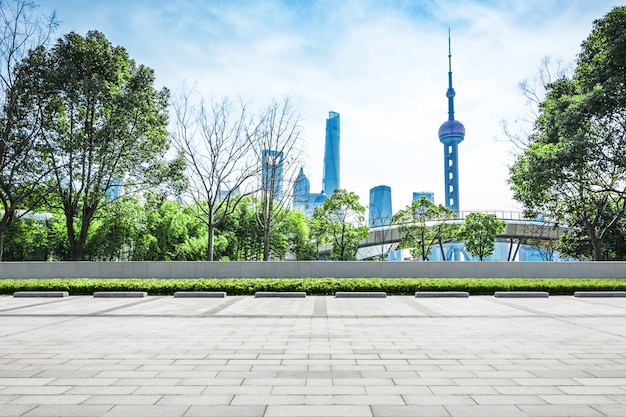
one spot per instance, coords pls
(314, 286)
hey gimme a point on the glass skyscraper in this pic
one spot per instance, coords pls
(330, 182)
(380, 206)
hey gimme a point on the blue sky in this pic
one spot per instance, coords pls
(381, 64)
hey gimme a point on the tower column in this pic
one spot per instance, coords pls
(451, 133)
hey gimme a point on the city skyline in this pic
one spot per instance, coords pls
(381, 65)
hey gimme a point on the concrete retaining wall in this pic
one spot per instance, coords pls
(312, 269)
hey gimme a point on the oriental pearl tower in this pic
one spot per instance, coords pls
(451, 133)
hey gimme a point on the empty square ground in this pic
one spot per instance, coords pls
(314, 356)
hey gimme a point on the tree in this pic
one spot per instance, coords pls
(573, 167)
(296, 231)
(479, 232)
(424, 224)
(218, 142)
(340, 221)
(21, 171)
(279, 151)
(27, 239)
(105, 128)
(174, 232)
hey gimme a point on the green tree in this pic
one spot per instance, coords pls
(341, 222)
(105, 128)
(479, 231)
(174, 232)
(22, 172)
(242, 232)
(424, 224)
(573, 165)
(295, 228)
(118, 232)
(27, 240)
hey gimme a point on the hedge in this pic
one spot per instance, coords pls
(313, 286)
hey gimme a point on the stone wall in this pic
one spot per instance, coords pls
(405, 269)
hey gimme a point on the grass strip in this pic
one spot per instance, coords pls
(313, 286)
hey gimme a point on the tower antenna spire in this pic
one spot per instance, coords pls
(451, 133)
(450, 94)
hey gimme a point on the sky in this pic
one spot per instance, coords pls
(381, 64)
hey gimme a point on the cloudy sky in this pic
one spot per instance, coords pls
(381, 64)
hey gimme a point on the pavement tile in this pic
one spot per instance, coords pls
(610, 410)
(10, 410)
(551, 410)
(50, 399)
(439, 399)
(484, 411)
(225, 411)
(221, 399)
(147, 411)
(409, 411)
(66, 410)
(245, 357)
(318, 411)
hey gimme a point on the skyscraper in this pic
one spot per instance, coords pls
(330, 182)
(451, 133)
(272, 172)
(427, 194)
(380, 206)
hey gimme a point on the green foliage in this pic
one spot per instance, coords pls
(423, 225)
(22, 171)
(314, 286)
(573, 167)
(26, 240)
(295, 229)
(105, 126)
(340, 221)
(479, 231)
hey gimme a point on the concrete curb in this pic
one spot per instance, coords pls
(41, 294)
(521, 294)
(279, 294)
(441, 294)
(360, 294)
(120, 294)
(199, 294)
(600, 294)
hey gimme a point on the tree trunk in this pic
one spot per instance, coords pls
(209, 249)
(1, 243)
(597, 248)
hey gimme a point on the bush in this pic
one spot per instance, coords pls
(313, 286)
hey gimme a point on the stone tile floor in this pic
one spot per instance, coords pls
(315, 356)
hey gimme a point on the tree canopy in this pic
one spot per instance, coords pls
(574, 165)
(424, 224)
(104, 128)
(341, 222)
(479, 231)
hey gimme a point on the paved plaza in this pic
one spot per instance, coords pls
(314, 356)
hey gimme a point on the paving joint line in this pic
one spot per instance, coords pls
(320, 308)
(38, 304)
(532, 311)
(120, 307)
(229, 302)
(413, 303)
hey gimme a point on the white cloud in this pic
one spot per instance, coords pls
(381, 64)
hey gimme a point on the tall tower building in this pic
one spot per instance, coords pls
(380, 206)
(451, 133)
(330, 182)
(272, 172)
